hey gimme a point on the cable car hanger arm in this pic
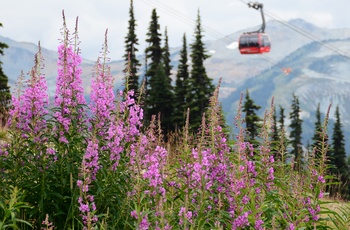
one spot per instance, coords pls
(258, 6)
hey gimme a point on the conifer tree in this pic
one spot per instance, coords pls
(160, 101)
(153, 55)
(166, 56)
(296, 131)
(159, 95)
(182, 87)
(131, 43)
(154, 50)
(201, 85)
(275, 137)
(338, 153)
(5, 95)
(317, 138)
(251, 118)
(281, 119)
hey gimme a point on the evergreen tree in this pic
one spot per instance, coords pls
(282, 131)
(182, 87)
(201, 85)
(166, 56)
(131, 41)
(154, 50)
(154, 53)
(317, 139)
(161, 98)
(159, 95)
(338, 154)
(296, 131)
(281, 119)
(251, 118)
(5, 95)
(167, 91)
(275, 136)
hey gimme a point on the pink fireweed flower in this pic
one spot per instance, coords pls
(271, 176)
(320, 196)
(259, 225)
(291, 226)
(321, 179)
(241, 221)
(135, 117)
(144, 225)
(134, 214)
(126, 130)
(155, 162)
(30, 108)
(89, 170)
(251, 168)
(69, 91)
(102, 95)
(90, 159)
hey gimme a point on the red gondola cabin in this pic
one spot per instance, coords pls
(254, 43)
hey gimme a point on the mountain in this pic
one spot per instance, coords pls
(318, 76)
(319, 73)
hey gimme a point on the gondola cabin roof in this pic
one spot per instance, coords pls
(254, 43)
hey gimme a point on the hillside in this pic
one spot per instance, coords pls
(319, 75)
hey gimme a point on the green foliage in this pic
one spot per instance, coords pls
(201, 85)
(295, 133)
(317, 138)
(12, 209)
(251, 118)
(338, 157)
(339, 215)
(159, 91)
(131, 43)
(182, 88)
(166, 56)
(154, 50)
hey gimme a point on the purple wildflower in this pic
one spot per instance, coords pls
(259, 225)
(134, 214)
(89, 169)
(144, 225)
(321, 179)
(241, 221)
(29, 109)
(291, 227)
(102, 94)
(69, 95)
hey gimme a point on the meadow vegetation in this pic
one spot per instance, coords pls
(79, 165)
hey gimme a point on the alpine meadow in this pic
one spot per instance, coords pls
(159, 153)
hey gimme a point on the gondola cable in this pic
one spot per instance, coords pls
(212, 32)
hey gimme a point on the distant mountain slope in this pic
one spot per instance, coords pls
(318, 76)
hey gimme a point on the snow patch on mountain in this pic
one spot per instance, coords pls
(232, 46)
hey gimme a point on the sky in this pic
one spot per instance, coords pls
(41, 20)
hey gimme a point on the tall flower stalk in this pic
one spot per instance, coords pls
(69, 96)
(102, 95)
(30, 108)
